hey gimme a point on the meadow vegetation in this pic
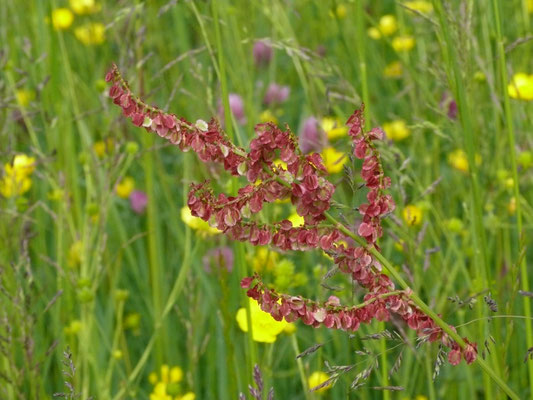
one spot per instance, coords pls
(111, 287)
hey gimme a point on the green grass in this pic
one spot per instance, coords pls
(187, 58)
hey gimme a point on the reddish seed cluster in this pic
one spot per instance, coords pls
(332, 314)
(304, 182)
(379, 203)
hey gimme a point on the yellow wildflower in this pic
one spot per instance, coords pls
(393, 70)
(333, 127)
(421, 397)
(16, 179)
(73, 328)
(387, 25)
(521, 87)
(412, 215)
(454, 225)
(396, 130)
(197, 224)
(125, 187)
(268, 116)
(102, 147)
(24, 164)
(132, 321)
(374, 33)
(317, 378)
(403, 43)
(74, 254)
(525, 159)
(85, 6)
(530, 6)
(458, 160)
(91, 33)
(24, 97)
(56, 194)
(511, 206)
(62, 18)
(479, 76)
(166, 385)
(424, 7)
(341, 11)
(297, 220)
(264, 259)
(188, 396)
(265, 329)
(117, 354)
(333, 160)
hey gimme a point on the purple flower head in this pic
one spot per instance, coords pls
(276, 94)
(452, 110)
(236, 105)
(311, 136)
(138, 201)
(262, 53)
(220, 257)
(449, 104)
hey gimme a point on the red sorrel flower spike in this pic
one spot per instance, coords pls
(304, 182)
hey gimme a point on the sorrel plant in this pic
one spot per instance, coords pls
(303, 181)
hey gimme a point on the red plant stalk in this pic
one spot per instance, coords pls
(304, 181)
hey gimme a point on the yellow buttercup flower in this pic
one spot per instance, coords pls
(74, 254)
(90, 34)
(166, 383)
(333, 160)
(62, 18)
(403, 43)
(341, 11)
(317, 378)
(387, 25)
(23, 165)
(264, 259)
(24, 97)
(393, 70)
(197, 224)
(125, 187)
(73, 328)
(297, 220)
(16, 179)
(396, 130)
(333, 127)
(268, 116)
(458, 160)
(85, 6)
(412, 215)
(188, 396)
(521, 87)
(265, 329)
(424, 7)
(101, 148)
(132, 321)
(374, 33)
(511, 206)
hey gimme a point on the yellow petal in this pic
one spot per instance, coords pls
(62, 18)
